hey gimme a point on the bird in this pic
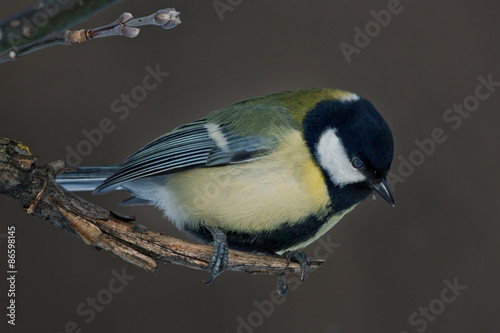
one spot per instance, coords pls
(266, 175)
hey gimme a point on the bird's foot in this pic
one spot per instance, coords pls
(220, 257)
(282, 286)
(300, 258)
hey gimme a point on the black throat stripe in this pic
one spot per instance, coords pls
(282, 238)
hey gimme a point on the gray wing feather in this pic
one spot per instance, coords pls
(188, 146)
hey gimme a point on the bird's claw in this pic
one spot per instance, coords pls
(282, 286)
(220, 258)
(301, 259)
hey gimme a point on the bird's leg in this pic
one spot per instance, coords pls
(300, 258)
(219, 259)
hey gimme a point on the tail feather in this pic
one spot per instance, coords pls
(86, 178)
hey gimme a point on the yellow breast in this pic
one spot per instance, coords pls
(284, 186)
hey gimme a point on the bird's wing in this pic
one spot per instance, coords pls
(202, 143)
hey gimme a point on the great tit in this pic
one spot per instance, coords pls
(269, 174)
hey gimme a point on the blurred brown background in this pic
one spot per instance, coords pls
(391, 263)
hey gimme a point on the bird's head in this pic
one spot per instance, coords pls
(353, 146)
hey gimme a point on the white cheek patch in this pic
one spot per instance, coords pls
(216, 134)
(334, 159)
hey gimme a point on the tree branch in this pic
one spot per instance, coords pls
(126, 25)
(36, 190)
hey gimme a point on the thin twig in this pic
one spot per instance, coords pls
(47, 17)
(126, 25)
(34, 187)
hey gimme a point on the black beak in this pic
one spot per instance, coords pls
(383, 190)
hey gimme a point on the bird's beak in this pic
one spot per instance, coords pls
(383, 190)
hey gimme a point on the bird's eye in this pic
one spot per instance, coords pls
(357, 163)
